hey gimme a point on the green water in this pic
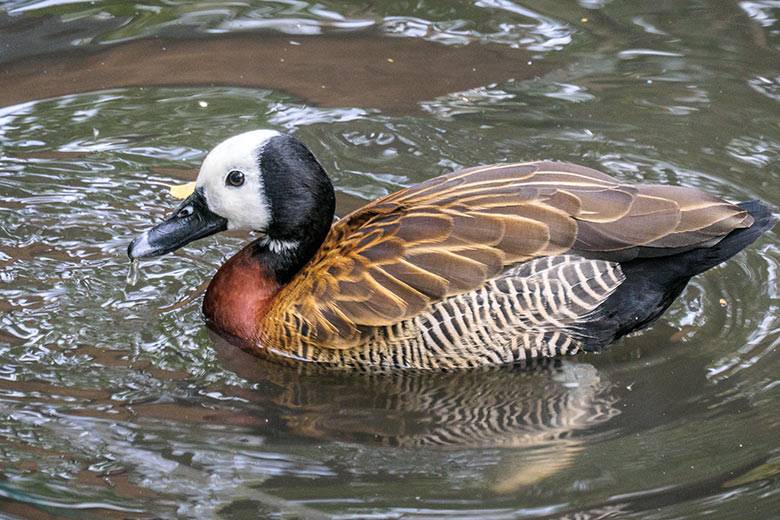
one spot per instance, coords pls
(115, 400)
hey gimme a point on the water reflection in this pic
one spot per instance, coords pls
(530, 424)
(504, 22)
(540, 409)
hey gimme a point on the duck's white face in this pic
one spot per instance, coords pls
(232, 181)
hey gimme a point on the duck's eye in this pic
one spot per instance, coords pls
(235, 178)
(186, 211)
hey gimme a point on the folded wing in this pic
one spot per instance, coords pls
(391, 259)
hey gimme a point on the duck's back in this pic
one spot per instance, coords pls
(492, 265)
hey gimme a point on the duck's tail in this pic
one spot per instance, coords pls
(763, 220)
(652, 284)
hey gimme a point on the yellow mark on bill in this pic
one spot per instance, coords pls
(182, 191)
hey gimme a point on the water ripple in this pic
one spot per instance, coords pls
(117, 398)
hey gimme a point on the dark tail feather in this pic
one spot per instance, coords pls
(652, 284)
(739, 239)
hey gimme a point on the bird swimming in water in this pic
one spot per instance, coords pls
(485, 266)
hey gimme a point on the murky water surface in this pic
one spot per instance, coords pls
(115, 400)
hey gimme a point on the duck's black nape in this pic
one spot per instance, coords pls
(302, 203)
(652, 284)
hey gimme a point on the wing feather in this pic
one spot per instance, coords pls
(393, 258)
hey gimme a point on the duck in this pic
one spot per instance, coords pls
(491, 265)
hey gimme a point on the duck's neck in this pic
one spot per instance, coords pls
(239, 294)
(302, 209)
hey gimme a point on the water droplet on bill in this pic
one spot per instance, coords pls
(132, 272)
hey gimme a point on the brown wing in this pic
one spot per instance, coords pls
(389, 260)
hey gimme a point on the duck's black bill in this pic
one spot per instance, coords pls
(191, 221)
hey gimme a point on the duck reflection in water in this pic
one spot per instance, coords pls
(537, 415)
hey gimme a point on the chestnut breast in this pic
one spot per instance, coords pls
(239, 294)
